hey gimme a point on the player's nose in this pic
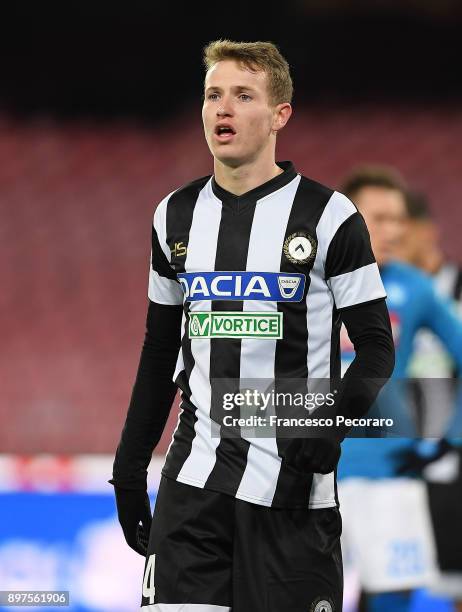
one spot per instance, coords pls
(225, 109)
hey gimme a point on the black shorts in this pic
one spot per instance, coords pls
(217, 553)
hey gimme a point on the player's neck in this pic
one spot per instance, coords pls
(244, 178)
(432, 261)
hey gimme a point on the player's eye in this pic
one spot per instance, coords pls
(212, 96)
(245, 97)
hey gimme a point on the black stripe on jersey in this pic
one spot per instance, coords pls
(185, 432)
(335, 486)
(225, 354)
(345, 308)
(335, 362)
(457, 293)
(159, 261)
(180, 210)
(350, 248)
(291, 351)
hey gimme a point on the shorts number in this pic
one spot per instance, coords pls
(148, 581)
(406, 558)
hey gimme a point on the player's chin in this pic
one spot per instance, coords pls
(383, 257)
(228, 156)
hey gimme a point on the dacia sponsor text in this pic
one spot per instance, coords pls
(262, 286)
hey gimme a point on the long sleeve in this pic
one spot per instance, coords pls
(152, 396)
(441, 317)
(353, 276)
(369, 329)
(154, 390)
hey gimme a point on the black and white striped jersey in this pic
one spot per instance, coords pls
(284, 259)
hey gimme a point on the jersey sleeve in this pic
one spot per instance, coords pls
(163, 287)
(350, 267)
(441, 317)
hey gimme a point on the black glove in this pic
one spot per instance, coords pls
(412, 461)
(133, 508)
(313, 455)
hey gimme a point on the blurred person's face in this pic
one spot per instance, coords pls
(384, 211)
(421, 237)
(239, 120)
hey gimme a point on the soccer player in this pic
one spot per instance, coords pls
(397, 521)
(252, 271)
(422, 248)
(435, 375)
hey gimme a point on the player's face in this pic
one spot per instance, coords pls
(421, 236)
(238, 117)
(384, 211)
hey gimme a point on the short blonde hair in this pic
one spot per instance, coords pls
(255, 56)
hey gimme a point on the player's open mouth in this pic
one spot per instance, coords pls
(224, 132)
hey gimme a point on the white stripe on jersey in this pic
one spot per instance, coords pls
(257, 356)
(164, 290)
(319, 301)
(201, 254)
(160, 225)
(320, 304)
(322, 493)
(350, 286)
(336, 212)
(445, 280)
(160, 289)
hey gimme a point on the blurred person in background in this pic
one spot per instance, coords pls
(434, 384)
(422, 248)
(386, 523)
(241, 522)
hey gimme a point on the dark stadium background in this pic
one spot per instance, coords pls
(100, 118)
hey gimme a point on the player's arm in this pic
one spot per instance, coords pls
(441, 318)
(369, 329)
(359, 295)
(152, 394)
(439, 315)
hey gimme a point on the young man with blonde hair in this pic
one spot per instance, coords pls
(252, 271)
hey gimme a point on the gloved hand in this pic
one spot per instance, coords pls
(412, 461)
(313, 455)
(133, 508)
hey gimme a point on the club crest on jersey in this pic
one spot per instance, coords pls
(261, 286)
(322, 605)
(300, 248)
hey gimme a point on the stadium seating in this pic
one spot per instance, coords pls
(77, 202)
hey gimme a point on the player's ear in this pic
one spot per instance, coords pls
(281, 116)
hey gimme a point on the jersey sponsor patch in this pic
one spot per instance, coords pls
(235, 325)
(262, 286)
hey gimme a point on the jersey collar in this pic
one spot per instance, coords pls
(258, 192)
